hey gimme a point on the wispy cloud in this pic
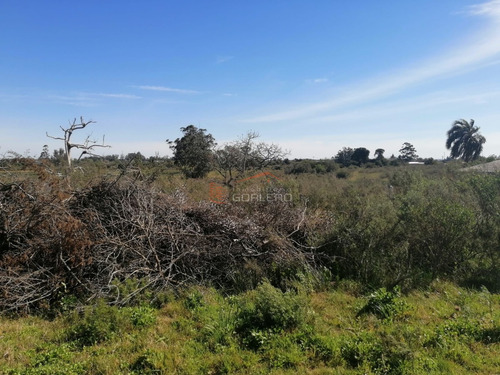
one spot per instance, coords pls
(474, 54)
(88, 99)
(168, 89)
(317, 80)
(413, 105)
(223, 59)
(78, 100)
(490, 8)
(119, 96)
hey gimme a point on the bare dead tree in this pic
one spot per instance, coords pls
(87, 146)
(233, 160)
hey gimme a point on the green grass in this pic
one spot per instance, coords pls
(443, 329)
(327, 325)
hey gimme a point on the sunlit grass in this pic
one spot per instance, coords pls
(440, 332)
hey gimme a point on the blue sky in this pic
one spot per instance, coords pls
(312, 76)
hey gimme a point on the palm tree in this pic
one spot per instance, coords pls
(379, 153)
(464, 141)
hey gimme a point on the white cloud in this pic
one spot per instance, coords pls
(119, 96)
(474, 54)
(490, 8)
(168, 89)
(410, 106)
(317, 80)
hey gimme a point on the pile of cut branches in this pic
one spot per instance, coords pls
(55, 242)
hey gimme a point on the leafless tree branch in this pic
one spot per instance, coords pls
(88, 144)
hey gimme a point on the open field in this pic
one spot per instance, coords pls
(440, 330)
(132, 270)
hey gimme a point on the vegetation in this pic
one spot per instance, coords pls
(87, 146)
(124, 266)
(441, 329)
(193, 151)
(344, 156)
(233, 160)
(360, 156)
(408, 152)
(464, 140)
(59, 241)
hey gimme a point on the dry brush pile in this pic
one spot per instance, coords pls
(55, 242)
(119, 238)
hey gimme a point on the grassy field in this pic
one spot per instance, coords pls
(441, 330)
(384, 270)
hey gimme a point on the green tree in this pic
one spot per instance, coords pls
(344, 156)
(464, 141)
(45, 153)
(408, 152)
(58, 156)
(360, 155)
(193, 151)
(135, 155)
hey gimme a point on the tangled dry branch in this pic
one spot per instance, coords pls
(55, 242)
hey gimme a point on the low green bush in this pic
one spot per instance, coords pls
(270, 308)
(143, 316)
(384, 304)
(342, 174)
(53, 360)
(380, 356)
(98, 323)
(102, 322)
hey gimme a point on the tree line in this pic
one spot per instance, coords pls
(196, 152)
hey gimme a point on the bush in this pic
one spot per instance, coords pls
(268, 310)
(128, 242)
(381, 356)
(102, 322)
(342, 174)
(384, 304)
(54, 360)
(99, 323)
(281, 351)
(463, 329)
(413, 232)
(143, 316)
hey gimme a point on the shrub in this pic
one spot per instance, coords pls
(440, 229)
(381, 356)
(54, 360)
(463, 329)
(384, 304)
(269, 310)
(342, 174)
(281, 351)
(194, 300)
(98, 323)
(143, 316)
